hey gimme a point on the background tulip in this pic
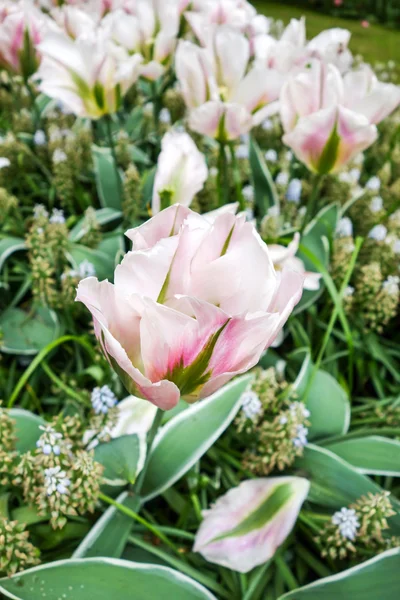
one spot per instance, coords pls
(365, 94)
(321, 131)
(226, 98)
(22, 28)
(89, 75)
(181, 171)
(246, 525)
(186, 312)
(149, 28)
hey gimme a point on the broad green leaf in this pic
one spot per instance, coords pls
(316, 239)
(112, 244)
(8, 246)
(335, 483)
(265, 194)
(28, 332)
(122, 458)
(134, 122)
(103, 217)
(108, 182)
(138, 156)
(103, 258)
(375, 579)
(186, 437)
(374, 455)
(148, 184)
(102, 579)
(324, 396)
(110, 533)
(27, 428)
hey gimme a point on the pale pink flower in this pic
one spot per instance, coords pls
(181, 171)
(193, 304)
(89, 75)
(74, 21)
(319, 128)
(365, 94)
(331, 46)
(285, 256)
(150, 28)
(247, 524)
(226, 97)
(22, 28)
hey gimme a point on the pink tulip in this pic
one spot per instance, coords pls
(246, 526)
(187, 312)
(319, 128)
(226, 98)
(181, 171)
(22, 28)
(331, 46)
(368, 96)
(150, 28)
(88, 75)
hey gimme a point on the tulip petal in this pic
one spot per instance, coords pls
(159, 227)
(246, 525)
(181, 170)
(112, 317)
(145, 272)
(177, 346)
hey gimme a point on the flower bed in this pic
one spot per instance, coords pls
(199, 306)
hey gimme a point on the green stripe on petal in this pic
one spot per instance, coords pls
(263, 514)
(329, 154)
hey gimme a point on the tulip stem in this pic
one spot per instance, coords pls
(136, 517)
(313, 200)
(108, 121)
(33, 101)
(237, 179)
(222, 175)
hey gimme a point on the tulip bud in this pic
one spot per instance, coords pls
(181, 171)
(246, 525)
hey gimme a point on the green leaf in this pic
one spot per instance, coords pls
(28, 332)
(373, 455)
(122, 458)
(335, 483)
(103, 217)
(134, 122)
(8, 246)
(110, 533)
(148, 184)
(323, 397)
(317, 235)
(265, 194)
(27, 428)
(103, 258)
(375, 579)
(102, 578)
(108, 186)
(186, 437)
(138, 156)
